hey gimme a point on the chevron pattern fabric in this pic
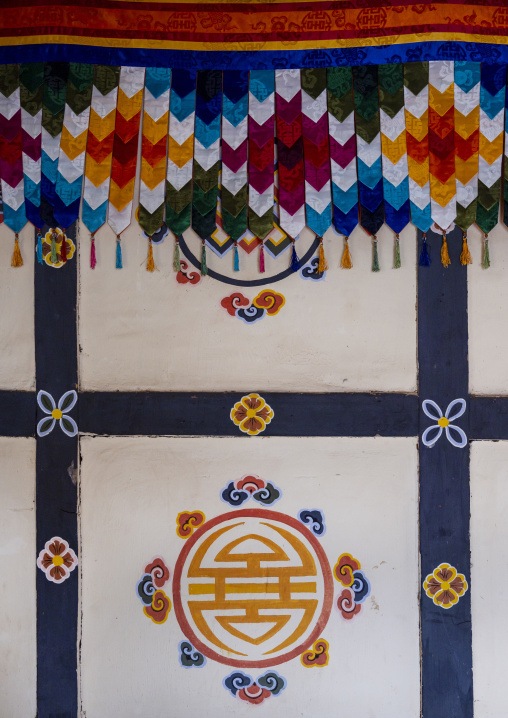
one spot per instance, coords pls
(288, 109)
(154, 149)
(235, 187)
(125, 148)
(71, 159)
(443, 191)
(467, 123)
(11, 150)
(180, 151)
(53, 109)
(316, 150)
(31, 80)
(416, 101)
(261, 151)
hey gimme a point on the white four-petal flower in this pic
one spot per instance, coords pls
(433, 411)
(48, 406)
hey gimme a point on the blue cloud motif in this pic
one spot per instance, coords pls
(314, 519)
(272, 682)
(269, 495)
(145, 589)
(189, 657)
(232, 496)
(251, 314)
(310, 270)
(360, 587)
(235, 681)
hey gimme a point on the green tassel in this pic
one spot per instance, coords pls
(176, 257)
(204, 268)
(486, 254)
(375, 258)
(53, 256)
(397, 264)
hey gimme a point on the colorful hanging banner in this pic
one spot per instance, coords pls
(394, 148)
(505, 184)
(368, 140)
(416, 101)
(316, 150)
(180, 151)
(125, 148)
(234, 191)
(206, 152)
(53, 109)
(341, 126)
(261, 151)
(288, 108)
(154, 149)
(467, 122)
(492, 116)
(99, 148)
(31, 78)
(11, 151)
(443, 191)
(71, 159)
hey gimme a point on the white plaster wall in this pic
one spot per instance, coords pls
(17, 353)
(489, 579)
(354, 331)
(17, 579)
(132, 490)
(488, 314)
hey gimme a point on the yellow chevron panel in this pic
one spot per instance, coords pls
(181, 154)
(73, 146)
(465, 171)
(155, 130)
(129, 106)
(443, 193)
(394, 150)
(490, 151)
(465, 125)
(418, 127)
(98, 172)
(99, 127)
(419, 173)
(153, 176)
(441, 101)
(120, 198)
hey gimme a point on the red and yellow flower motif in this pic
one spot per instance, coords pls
(59, 239)
(251, 414)
(445, 586)
(57, 560)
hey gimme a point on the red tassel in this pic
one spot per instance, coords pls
(93, 260)
(262, 259)
(63, 248)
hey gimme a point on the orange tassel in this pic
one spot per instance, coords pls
(445, 257)
(150, 265)
(323, 264)
(465, 257)
(17, 259)
(346, 262)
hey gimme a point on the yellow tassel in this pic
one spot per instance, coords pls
(346, 262)
(150, 265)
(17, 259)
(323, 264)
(465, 257)
(445, 257)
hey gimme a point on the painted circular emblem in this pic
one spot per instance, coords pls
(252, 588)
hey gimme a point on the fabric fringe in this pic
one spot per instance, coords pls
(236, 264)
(262, 259)
(150, 264)
(465, 256)
(176, 256)
(375, 258)
(396, 260)
(445, 257)
(63, 248)
(53, 256)
(204, 267)
(295, 262)
(17, 259)
(323, 264)
(40, 257)
(346, 262)
(93, 258)
(424, 260)
(486, 253)
(118, 253)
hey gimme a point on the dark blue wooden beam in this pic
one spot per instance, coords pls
(17, 413)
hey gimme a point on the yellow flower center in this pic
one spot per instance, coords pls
(443, 421)
(445, 585)
(56, 414)
(57, 560)
(251, 413)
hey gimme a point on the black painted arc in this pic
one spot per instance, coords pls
(247, 282)
(56, 493)
(17, 413)
(208, 414)
(447, 681)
